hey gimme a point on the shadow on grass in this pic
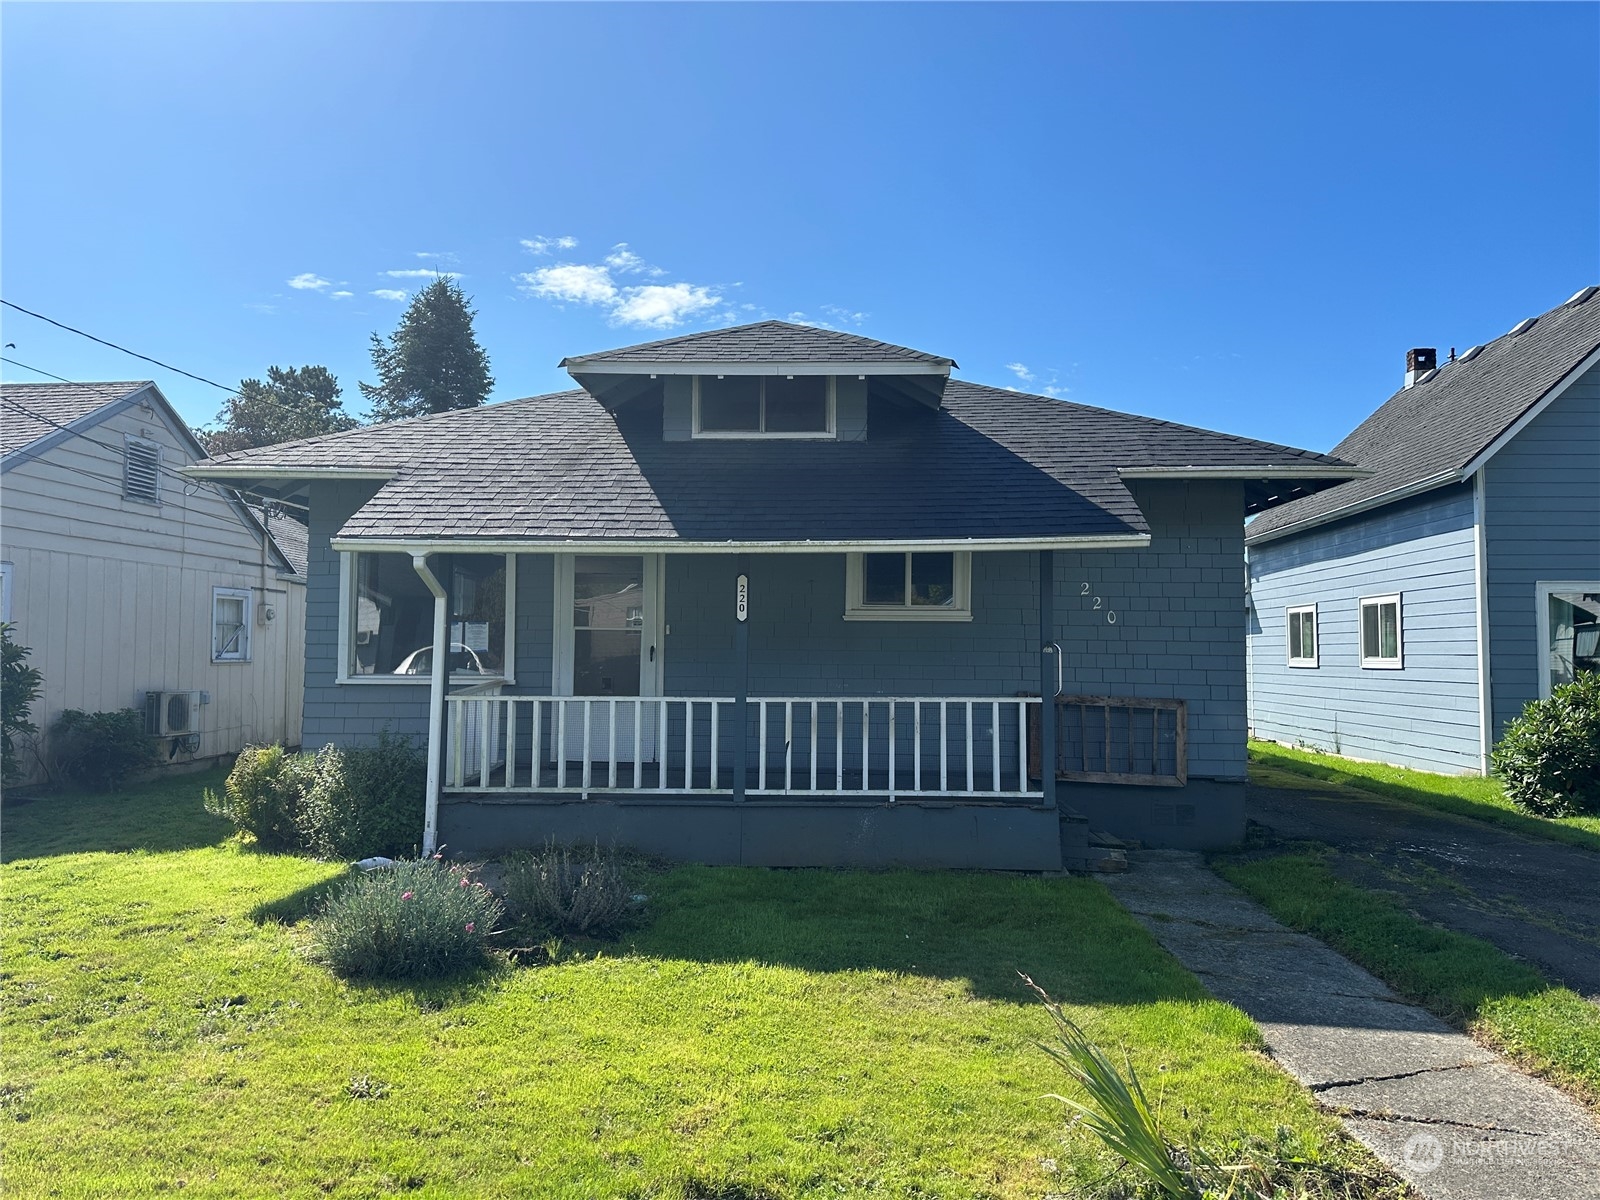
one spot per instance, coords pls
(977, 928)
(161, 816)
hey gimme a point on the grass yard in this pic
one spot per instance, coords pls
(1465, 795)
(1550, 1030)
(767, 1034)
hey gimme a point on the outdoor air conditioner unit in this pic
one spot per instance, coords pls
(171, 714)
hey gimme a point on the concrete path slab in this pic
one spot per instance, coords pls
(1445, 1114)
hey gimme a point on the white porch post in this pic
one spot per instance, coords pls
(436, 683)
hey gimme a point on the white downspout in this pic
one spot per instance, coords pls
(436, 682)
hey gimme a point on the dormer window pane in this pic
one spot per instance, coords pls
(731, 404)
(797, 405)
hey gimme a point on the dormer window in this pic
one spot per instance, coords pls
(764, 406)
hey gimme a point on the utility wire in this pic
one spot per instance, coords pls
(35, 370)
(165, 366)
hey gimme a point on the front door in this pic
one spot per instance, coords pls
(608, 640)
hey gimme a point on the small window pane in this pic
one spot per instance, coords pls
(1388, 631)
(478, 615)
(1369, 631)
(798, 405)
(883, 579)
(731, 404)
(228, 627)
(933, 580)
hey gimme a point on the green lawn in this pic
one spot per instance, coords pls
(1548, 1029)
(767, 1033)
(1465, 795)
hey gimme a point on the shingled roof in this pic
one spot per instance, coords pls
(30, 411)
(992, 465)
(763, 341)
(1425, 435)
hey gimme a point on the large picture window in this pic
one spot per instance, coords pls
(758, 406)
(389, 617)
(1381, 632)
(1569, 632)
(918, 585)
(1302, 635)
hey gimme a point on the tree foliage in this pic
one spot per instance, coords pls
(19, 688)
(432, 362)
(293, 403)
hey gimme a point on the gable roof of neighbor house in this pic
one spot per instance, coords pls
(1427, 435)
(763, 341)
(36, 417)
(36, 410)
(292, 538)
(991, 467)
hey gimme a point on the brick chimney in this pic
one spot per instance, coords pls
(1419, 362)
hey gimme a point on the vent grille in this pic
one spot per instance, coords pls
(141, 472)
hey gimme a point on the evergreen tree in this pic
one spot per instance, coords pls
(432, 362)
(294, 402)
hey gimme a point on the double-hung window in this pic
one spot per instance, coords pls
(1302, 635)
(1381, 633)
(230, 624)
(763, 406)
(916, 585)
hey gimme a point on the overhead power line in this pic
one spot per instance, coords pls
(35, 370)
(145, 357)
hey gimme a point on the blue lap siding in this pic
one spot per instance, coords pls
(1424, 715)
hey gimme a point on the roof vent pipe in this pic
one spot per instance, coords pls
(1419, 362)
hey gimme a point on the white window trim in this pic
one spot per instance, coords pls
(347, 607)
(1289, 615)
(242, 655)
(959, 610)
(830, 435)
(128, 443)
(1542, 591)
(6, 571)
(1398, 662)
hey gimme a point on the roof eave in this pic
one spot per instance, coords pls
(436, 545)
(600, 365)
(1383, 499)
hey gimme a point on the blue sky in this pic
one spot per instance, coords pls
(1232, 216)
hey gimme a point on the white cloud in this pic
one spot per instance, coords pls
(570, 283)
(624, 260)
(422, 273)
(661, 306)
(543, 245)
(308, 282)
(388, 294)
(649, 306)
(440, 255)
(340, 295)
(1020, 371)
(844, 314)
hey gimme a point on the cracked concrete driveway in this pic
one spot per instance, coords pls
(1447, 1115)
(1535, 899)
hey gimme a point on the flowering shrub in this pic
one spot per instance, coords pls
(418, 919)
(561, 889)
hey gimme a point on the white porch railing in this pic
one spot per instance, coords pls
(793, 746)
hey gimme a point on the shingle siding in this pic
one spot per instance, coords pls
(1423, 715)
(1542, 522)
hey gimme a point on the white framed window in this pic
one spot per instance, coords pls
(386, 618)
(230, 624)
(1568, 617)
(1381, 633)
(5, 591)
(910, 585)
(141, 470)
(1301, 628)
(764, 406)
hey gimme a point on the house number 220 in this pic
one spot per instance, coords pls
(1099, 604)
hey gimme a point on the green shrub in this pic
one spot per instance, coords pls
(1549, 757)
(264, 795)
(561, 889)
(19, 688)
(100, 750)
(366, 800)
(417, 919)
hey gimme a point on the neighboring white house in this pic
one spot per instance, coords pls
(134, 587)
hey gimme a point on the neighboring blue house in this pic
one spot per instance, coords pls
(781, 595)
(1407, 616)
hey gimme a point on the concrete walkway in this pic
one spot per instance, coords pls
(1447, 1115)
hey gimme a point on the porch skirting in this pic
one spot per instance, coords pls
(771, 833)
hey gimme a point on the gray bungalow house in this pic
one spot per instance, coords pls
(781, 595)
(1408, 615)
